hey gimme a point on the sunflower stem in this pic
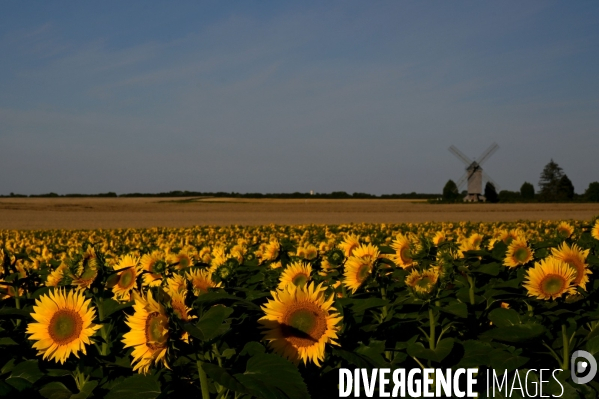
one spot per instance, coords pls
(431, 335)
(566, 349)
(203, 381)
(471, 290)
(103, 329)
(384, 297)
(17, 303)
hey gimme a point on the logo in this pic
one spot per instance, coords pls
(579, 367)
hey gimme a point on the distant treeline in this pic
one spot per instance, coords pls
(222, 194)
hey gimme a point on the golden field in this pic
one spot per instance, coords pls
(92, 213)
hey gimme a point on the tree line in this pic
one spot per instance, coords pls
(554, 186)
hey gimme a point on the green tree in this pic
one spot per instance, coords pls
(527, 191)
(592, 193)
(565, 189)
(549, 182)
(491, 192)
(450, 191)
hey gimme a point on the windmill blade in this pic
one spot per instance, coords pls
(460, 155)
(462, 180)
(487, 178)
(487, 154)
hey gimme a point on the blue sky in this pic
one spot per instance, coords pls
(258, 96)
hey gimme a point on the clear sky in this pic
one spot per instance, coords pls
(271, 96)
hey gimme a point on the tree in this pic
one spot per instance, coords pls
(527, 191)
(491, 192)
(565, 189)
(592, 193)
(450, 191)
(550, 178)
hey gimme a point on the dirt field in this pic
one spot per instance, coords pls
(90, 213)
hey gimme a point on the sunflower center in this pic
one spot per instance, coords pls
(65, 326)
(127, 279)
(553, 284)
(424, 282)
(304, 325)
(521, 254)
(406, 255)
(363, 272)
(299, 280)
(158, 266)
(183, 262)
(156, 330)
(564, 232)
(578, 268)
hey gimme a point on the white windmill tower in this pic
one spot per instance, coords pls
(474, 173)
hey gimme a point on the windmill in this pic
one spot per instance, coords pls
(474, 173)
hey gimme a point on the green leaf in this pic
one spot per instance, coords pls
(361, 305)
(27, 370)
(221, 376)
(20, 384)
(6, 341)
(518, 333)
(86, 390)
(501, 360)
(504, 317)
(385, 249)
(110, 306)
(592, 346)
(456, 308)
(138, 386)
(443, 349)
(354, 359)
(270, 376)
(223, 296)
(211, 322)
(252, 348)
(488, 268)
(21, 313)
(373, 351)
(55, 390)
(553, 388)
(476, 354)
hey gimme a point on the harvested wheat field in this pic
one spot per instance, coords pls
(91, 213)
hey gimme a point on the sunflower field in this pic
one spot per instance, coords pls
(276, 311)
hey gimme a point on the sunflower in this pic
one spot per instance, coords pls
(518, 253)
(148, 335)
(299, 322)
(127, 277)
(348, 245)
(550, 279)
(508, 236)
(439, 238)
(403, 253)
(367, 252)
(475, 240)
(422, 283)
(182, 260)
(595, 230)
(181, 310)
(175, 284)
(271, 252)
(153, 265)
(565, 229)
(575, 258)
(297, 273)
(87, 270)
(64, 324)
(201, 281)
(356, 272)
(57, 276)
